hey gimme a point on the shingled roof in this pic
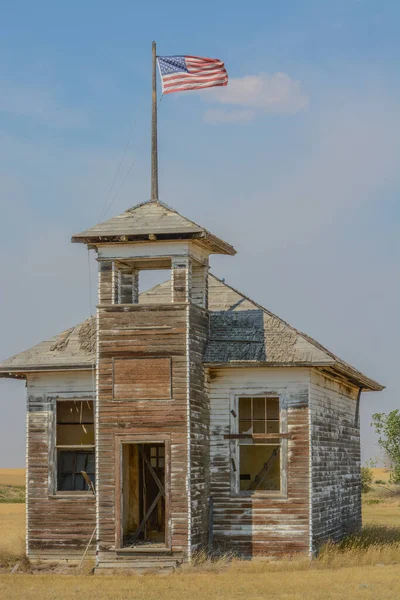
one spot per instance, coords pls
(152, 218)
(242, 333)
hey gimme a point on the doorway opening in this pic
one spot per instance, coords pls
(143, 494)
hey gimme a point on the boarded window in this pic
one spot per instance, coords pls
(142, 378)
(75, 444)
(259, 458)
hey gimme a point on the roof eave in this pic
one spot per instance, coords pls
(358, 379)
(21, 372)
(257, 363)
(216, 244)
(352, 376)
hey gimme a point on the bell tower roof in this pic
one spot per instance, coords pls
(152, 220)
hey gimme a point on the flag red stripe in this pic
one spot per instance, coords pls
(217, 63)
(194, 87)
(185, 76)
(201, 58)
(197, 74)
(194, 83)
(186, 84)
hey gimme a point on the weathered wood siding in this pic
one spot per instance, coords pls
(199, 428)
(335, 439)
(142, 378)
(260, 524)
(58, 527)
(140, 331)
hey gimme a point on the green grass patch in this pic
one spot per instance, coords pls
(371, 501)
(12, 494)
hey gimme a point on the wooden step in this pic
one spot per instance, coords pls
(139, 565)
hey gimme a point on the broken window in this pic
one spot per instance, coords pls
(258, 450)
(75, 444)
(71, 464)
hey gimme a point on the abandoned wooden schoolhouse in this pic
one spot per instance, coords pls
(184, 417)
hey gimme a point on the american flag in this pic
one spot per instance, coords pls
(181, 73)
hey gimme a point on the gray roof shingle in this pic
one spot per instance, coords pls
(241, 331)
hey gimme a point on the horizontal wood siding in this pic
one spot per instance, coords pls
(132, 332)
(199, 428)
(139, 378)
(58, 527)
(335, 439)
(261, 525)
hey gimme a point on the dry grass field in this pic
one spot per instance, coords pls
(237, 583)
(12, 528)
(12, 477)
(366, 567)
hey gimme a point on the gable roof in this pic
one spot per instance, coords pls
(72, 348)
(152, 218)
(242, 333)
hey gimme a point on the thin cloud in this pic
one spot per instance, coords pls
(38, 104)
(219, 115)
(255, 94)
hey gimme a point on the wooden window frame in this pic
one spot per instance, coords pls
(150, 438)
(75, 472)
(234, 445)
(53, 492)
(142, 358)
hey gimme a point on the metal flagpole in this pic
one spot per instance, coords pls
(154, 151)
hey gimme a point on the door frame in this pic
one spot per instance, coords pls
(141, 438)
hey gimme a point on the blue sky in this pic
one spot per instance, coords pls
(295, 163)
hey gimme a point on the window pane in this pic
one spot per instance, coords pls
(91, 466)
(245, 427)
(259, 408)
(259, 427)
(81, 462)
(75, 423)
(69, 465)
(64, 482)
(80, 483)
(153, 451)
(259, 467)
(244, 408)
(273, 427)
(75, 411)
(66, 462)
(75, 435)
(272, 408)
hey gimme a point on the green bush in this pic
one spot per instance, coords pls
(372, 501)
(367, 477)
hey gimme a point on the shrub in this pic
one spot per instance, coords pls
(371, 501)
(367, 477)
(387, 426)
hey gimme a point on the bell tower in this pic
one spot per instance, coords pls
(152, 407)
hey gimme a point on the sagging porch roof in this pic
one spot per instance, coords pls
(242, 334)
